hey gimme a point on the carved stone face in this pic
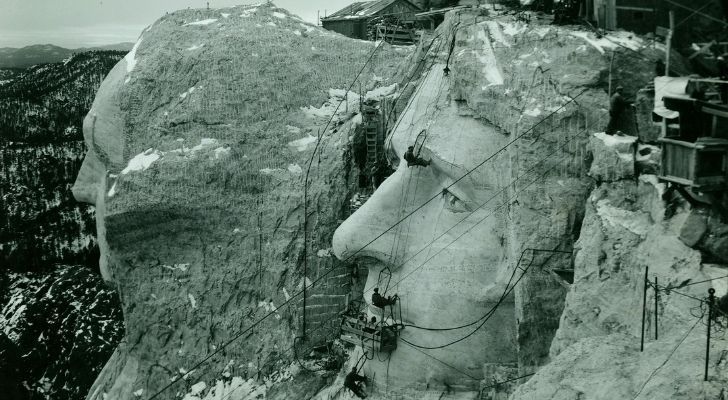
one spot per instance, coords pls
(447, 255)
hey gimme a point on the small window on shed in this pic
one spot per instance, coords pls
(638, 16)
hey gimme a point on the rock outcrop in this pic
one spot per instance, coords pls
(199, 141)
(504, 113)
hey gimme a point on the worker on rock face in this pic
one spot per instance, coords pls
(353, 382)
(381, 302)
(617, 112)
(413, 160)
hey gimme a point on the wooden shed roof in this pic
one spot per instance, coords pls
(364, 9)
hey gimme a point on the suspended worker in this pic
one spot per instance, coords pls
(617, 112)
(353, 382)
(380, 301)
(413, 160)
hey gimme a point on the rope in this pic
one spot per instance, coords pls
(668, 288)
(354, 254)
(442, 362)
(667, 359)
(489, 314)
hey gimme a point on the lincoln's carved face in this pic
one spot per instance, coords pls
(445, 248)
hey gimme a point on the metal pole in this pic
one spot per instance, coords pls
(669, 44)
(305, 252)
(711, 301)
(644, 310)
(656, 294)
(260, 253)
(611, 62)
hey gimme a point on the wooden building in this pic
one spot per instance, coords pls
(639, 16)
(354, 20)
(695, 146)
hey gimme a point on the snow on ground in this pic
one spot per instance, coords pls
(293, 129)
(302, 144)
(222, 151)
(615, 140)
(139, 393)
(297, 32)
(513, 29)
(177, 267)
(637, 223)
(379, 93)
(336, 103)
(497, 34)
(188, 92)
(295, 169)
(195, 47)
(203, 22)
(269, 171)
(488, 59)
(652, 180)
(271, 23)
(534, 112)
(131, 60)
(611, 40)
(225, 15)
(541, 31)
(142, 161)
(247, 13)
(193, 302)
(236, 389)
(112, 191)
(279, 15)
(204, 143)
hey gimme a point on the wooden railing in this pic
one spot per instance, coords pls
(701, 164)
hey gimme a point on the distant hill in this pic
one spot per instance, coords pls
(46, 53)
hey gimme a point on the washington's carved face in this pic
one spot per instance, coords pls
(447, 255)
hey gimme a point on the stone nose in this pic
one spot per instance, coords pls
(90, 179)
(372, 219)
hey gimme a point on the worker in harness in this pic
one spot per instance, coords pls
(380, 301)
(617, 112)
(353, 382)
(412, 159)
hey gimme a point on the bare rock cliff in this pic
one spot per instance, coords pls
(198, 144)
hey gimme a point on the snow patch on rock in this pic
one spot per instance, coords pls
(304, 143)
(295, 169)
(195, 47)
(202, 22)
(142, 161)
(637, 223)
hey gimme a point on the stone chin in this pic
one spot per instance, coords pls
(104, 141)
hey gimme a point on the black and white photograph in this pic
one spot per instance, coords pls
(382, 199)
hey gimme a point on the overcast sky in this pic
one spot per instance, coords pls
(83, 23)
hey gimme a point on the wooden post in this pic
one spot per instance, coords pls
(611, 62)
(656, 294)
(711, 301)
(644, 309)
(668, 43)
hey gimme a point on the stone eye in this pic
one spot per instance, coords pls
(454, 203)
